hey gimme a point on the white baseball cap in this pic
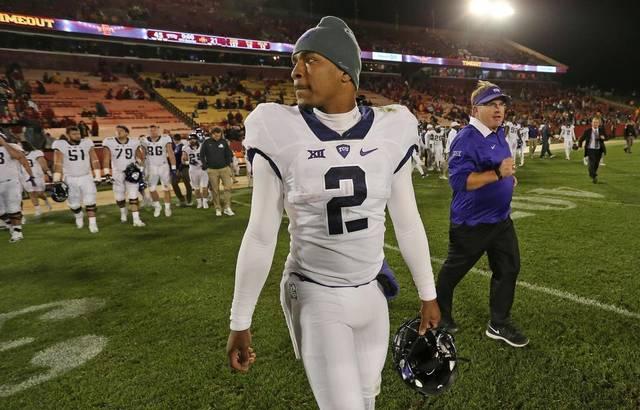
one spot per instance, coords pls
(454, 124)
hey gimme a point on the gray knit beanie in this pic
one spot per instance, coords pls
(334, 40)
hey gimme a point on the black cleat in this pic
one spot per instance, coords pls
(507, 333)
(448, 324)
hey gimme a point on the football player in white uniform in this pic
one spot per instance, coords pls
(120, 152)
(199, 177)
(523, 142)
(40, 169)
(427, 141)
(333, 167)
(511, 128)
(455, 126)
(438, 151)
(11, 158)
(568, 134)
(157, 149)
(74, 161)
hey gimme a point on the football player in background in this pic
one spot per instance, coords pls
(11, 158)
(158, 149)
(40, 169)
(523, 142)
(119, 153)
(74, 161)
(334, 167)
(438, 152)
(199, 177)
(568, 134)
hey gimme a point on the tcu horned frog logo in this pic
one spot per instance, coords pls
(56, 359)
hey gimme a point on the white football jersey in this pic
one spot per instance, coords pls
(155, 151)
(9, 167)
(450, 137)
(523, 133)
(428, 139)
(36, 168)
(193, 155)
(513, 130)
(567, 132)
(76, 161)
(336, 186)
(122, 154)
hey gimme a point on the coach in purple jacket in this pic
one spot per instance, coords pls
(481, 174)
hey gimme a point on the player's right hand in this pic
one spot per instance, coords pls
(239, 350)
(507, 167)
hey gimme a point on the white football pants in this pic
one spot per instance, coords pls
(342, 335)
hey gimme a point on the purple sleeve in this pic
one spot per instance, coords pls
(461, 162)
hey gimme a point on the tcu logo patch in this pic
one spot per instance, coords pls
(456, 154)
(343, 150)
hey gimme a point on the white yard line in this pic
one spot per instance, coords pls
(549, 291)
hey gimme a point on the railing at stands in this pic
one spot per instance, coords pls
(179, 114)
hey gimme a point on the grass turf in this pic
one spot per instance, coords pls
(168, 290)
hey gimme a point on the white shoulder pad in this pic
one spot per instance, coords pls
(59, 145)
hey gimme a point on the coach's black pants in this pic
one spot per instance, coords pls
(182, 175)
(545, 147)
(594, 156)
(466, 245)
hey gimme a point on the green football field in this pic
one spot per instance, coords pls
(138, 318)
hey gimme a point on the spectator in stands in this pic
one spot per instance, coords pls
(230, 118)
(84, 129)
(238, 117)
(216, 157)
(109, 94)
(182, 173)
(218, 104)
(101, 110)
(40, 89)
(95, 128)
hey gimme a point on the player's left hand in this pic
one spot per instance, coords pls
(429, 316)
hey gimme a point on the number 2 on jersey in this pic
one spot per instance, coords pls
(334, 207)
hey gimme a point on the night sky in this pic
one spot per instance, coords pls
(597, 39)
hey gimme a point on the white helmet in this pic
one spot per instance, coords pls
(429, 126)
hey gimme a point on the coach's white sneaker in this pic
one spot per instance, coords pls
(156, 210)
(228, 212)
(139, 224)
(16, 236)
(218, 212)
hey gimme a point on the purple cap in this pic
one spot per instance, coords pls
(490, 94)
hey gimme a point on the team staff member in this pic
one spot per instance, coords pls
(216, 157)
(594, 148)
(481, 174)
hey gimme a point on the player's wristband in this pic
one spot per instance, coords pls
(57, 176)
(173, 167)
(97, 174)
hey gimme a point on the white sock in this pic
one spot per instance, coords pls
(37, 208)
(79, 215)
(199, 201)
(156, 204)
(136, 216)
(92, 221)
(167, 205)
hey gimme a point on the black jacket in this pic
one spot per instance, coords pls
(586, 136)
(215, 154)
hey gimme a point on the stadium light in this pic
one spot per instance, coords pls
(491, 8)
